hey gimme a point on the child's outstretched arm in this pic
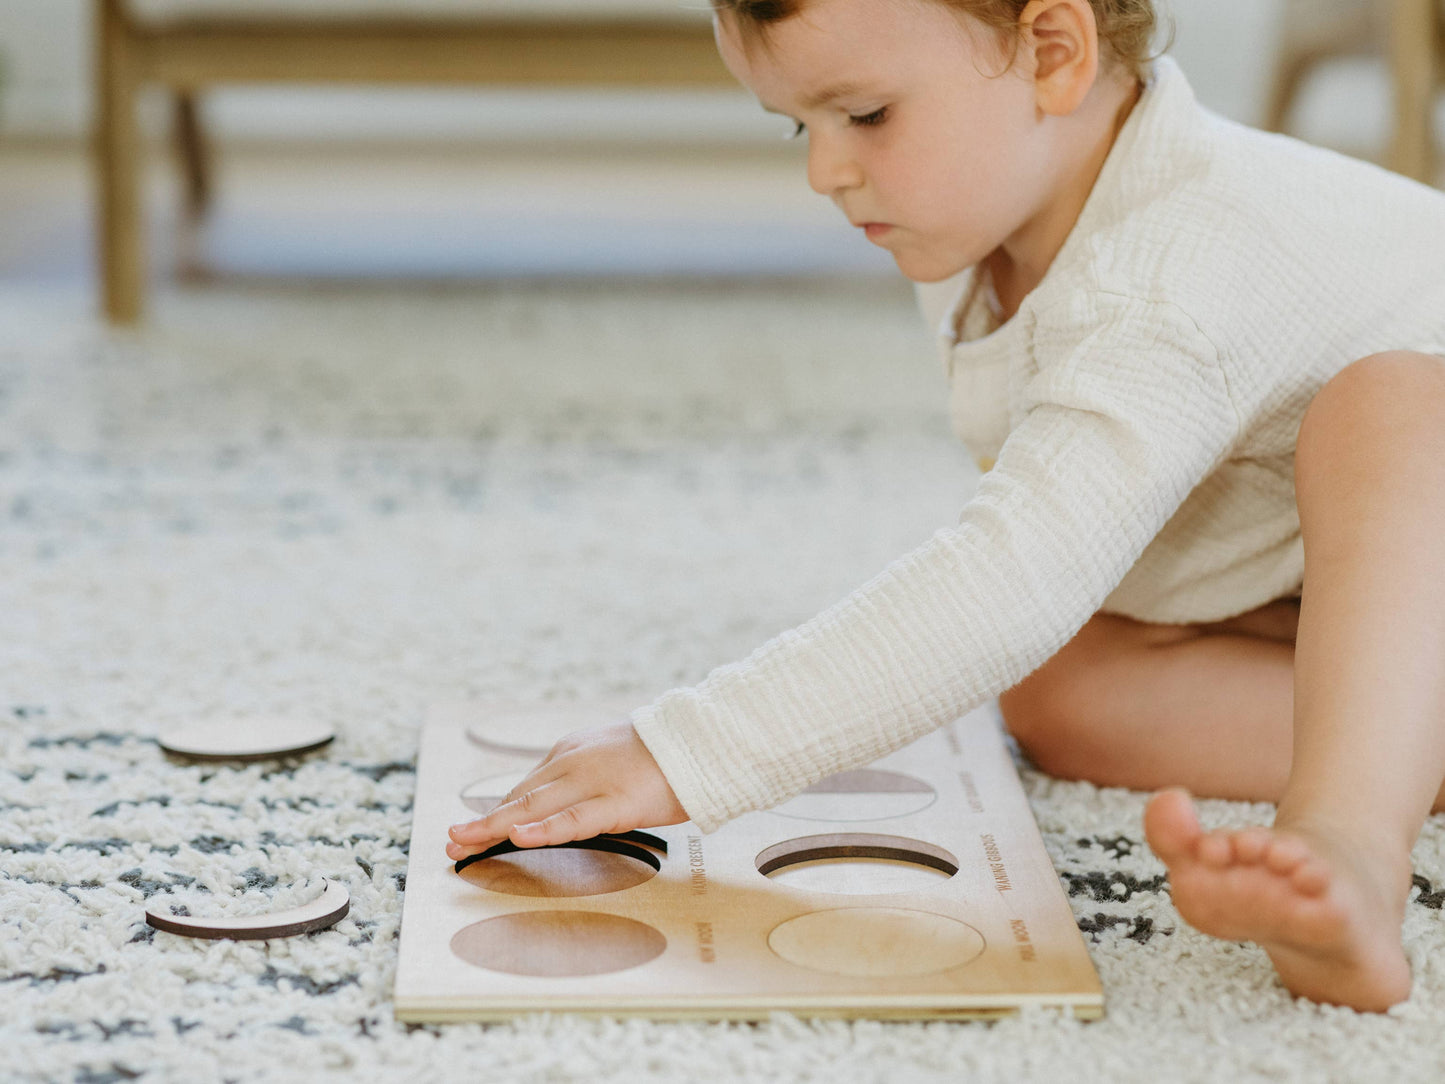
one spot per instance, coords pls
(594, 781)
(1126, 407)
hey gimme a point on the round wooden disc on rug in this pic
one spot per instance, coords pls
(531, 729)
(259, 738)
(325, 910)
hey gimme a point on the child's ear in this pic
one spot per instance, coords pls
(1063, 39)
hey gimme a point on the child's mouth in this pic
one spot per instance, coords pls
(875, 231)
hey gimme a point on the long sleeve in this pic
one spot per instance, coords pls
(1122, 409)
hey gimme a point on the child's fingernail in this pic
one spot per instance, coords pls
(458, 830)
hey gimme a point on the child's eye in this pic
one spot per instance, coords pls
(798, 132)
(870, 120)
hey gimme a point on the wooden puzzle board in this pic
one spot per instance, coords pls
(845, 927)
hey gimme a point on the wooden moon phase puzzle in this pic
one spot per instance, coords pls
(916, 888)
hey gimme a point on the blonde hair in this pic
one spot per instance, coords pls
(1126, 27)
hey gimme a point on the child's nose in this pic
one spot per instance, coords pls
(830, 168)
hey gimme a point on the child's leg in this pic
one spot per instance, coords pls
(1147, 706)
(1129, 704)
(1324, 890)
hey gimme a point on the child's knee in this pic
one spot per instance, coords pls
(1377, 393)
(1048, 713)
(1057, 713)
(1051, 726)
(1031, 712)
(1383, 413)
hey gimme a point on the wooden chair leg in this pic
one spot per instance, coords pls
(118, 163)
(1288, 76)
(193, 154)
(1413, 43)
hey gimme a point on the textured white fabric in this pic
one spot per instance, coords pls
(1142, 406)
(581, 10)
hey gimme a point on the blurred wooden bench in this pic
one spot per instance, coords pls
(189, 45)
(1410, 33)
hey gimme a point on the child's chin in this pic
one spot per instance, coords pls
(925, 273)
(924, 267)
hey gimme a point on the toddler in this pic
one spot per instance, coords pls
(1203, 369)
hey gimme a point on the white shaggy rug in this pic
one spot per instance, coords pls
(350, 504)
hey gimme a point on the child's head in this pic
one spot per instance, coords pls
(949, 130)
(1125, 27)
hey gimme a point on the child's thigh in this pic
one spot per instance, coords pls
(1107, 649)
(1051, 696)
(1277, 620)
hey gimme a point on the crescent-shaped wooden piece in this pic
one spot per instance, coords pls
(325, 910)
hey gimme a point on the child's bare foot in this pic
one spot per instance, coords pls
(1327, 914)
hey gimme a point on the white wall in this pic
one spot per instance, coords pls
(1225, 46)
(44, 49)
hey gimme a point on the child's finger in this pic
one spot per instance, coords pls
(548, 770)
(582, 820)
(530, 805)
(539, 777)
(585, 819)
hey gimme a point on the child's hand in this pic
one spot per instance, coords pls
(594, 781)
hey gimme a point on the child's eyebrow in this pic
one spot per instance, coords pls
(820, 98)
(828, 94)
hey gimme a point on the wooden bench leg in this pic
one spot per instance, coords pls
(118, 164)
(1413, 43)
(193, 155)
(1284, 88)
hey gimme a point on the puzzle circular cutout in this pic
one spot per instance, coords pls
(484, 794)
(856, 863)
(532, 729)
(876, 942)
(558, 871)
(257, 738)
(869, 794)
(558, 944)
(325, 910)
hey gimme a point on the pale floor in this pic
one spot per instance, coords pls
(423, 213)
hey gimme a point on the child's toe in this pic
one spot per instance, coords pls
(1251, 845)
(1311, 877)
(1171, 826)
(1216, 849)
(1285, 854)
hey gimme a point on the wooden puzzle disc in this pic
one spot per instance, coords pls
(558, 871)
(557, 944)
(858, 876)
(257, 738)
(325, 910)
(869, 794)
(856, 863)
(532, 729)
(876, 942)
